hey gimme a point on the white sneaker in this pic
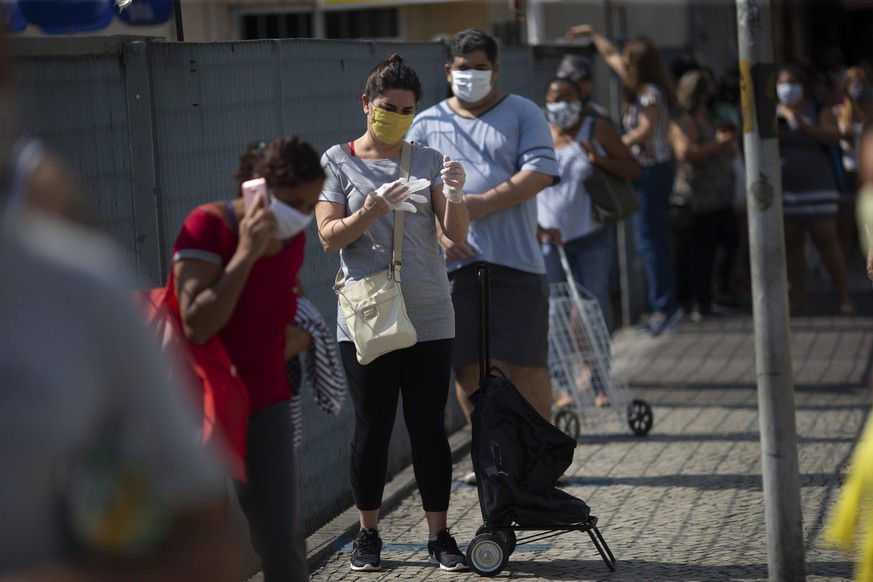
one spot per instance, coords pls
(469, 478)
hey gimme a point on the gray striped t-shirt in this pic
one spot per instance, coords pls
(425, 283)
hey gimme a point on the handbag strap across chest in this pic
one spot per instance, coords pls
(399, 219)
(400, 215)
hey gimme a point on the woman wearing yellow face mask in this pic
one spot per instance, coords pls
(359, 203)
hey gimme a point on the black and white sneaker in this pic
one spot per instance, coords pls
(445, 553)
(366, 550)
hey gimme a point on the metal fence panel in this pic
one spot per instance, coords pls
(72, 95)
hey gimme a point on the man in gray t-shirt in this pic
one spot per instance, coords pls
(504, 143)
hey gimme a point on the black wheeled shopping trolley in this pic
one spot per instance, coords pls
(580, 361)
(518, 456)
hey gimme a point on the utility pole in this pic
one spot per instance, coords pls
(624, 232)
(177, 18)
(785, 555)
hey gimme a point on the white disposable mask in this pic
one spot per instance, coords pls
(564, 114)
(289, 220)
(789, 93)
(471, 86)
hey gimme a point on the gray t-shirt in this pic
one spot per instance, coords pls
(510, 137)
(424, 281)
(80, 380)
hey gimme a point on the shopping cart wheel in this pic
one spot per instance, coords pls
(486, 554)
(507, 535)
(567, 422)
(639, 417)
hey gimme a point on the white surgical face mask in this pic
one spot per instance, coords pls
(289, 220)
(564, 114)
(471, 86)
(789, 93)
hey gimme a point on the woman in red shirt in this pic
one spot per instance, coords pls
(234, 273)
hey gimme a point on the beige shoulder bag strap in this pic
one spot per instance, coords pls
(399, 216)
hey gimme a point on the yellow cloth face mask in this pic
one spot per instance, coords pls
(389, 127)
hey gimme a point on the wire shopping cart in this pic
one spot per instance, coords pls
(580, 361)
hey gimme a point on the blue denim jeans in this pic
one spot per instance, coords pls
(591, 260)
(652, 232)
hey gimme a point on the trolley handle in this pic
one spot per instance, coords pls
(483, 275)
(572, 284)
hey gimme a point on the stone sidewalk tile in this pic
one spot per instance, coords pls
(684, 503)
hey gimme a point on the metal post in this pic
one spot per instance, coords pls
(177, 18)
(534, 21)
(770, 294)
(624, 232)
(146, 194)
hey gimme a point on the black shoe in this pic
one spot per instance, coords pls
(444, 551)
(365, 555)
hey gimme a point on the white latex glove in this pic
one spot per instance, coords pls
(453, 176)
(418, 185)
(396, 195)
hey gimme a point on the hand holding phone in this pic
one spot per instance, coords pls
(252, 190)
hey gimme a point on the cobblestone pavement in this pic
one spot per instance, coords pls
(684, 503)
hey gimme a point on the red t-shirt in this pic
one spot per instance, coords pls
(255, 334)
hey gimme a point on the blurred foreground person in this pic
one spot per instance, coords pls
(855, 108)
(102, 476)
(865, 193)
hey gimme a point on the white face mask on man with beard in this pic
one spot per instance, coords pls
(470, 85)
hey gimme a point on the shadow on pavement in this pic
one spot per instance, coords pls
(642, 571)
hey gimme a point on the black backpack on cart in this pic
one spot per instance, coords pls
(518, 457)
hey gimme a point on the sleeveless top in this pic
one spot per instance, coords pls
(567, 205)
(706, 186)
(656, 149)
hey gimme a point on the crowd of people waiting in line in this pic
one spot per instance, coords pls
(497, 180)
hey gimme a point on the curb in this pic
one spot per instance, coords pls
(331, 538)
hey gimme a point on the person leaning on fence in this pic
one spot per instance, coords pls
(564, 210)
(355, 218)
(234, 273)
(505, 137)
(648, 101)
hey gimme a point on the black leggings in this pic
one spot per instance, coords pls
(421, 374)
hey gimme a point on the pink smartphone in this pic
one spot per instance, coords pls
(252, 189)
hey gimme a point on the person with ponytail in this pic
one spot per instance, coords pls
(356, 214)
